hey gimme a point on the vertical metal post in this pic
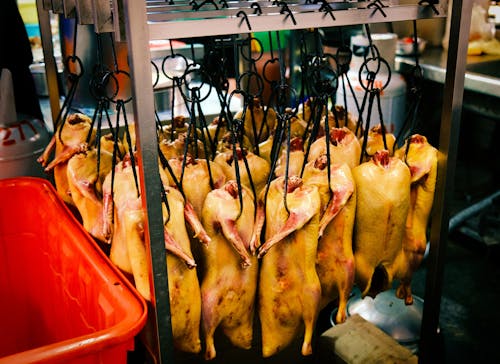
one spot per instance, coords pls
(49, 59)
(137, 33)
(448, 145)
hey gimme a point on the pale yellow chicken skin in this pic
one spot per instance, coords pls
(335, 258)
(229, 280)
(289, 287)
(383, 201)
(422, 159)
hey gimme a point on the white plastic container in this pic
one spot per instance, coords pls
(21, 143)
(392, 97)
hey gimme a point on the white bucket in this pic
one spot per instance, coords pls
(21, 143)
(392, 97)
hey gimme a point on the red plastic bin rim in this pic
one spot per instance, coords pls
(89, 344)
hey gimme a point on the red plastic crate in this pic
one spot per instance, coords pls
(62, 300)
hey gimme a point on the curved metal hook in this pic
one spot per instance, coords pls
(326, 8)
(378, 5)
(245, 17)
(257, 9)
(286, 9)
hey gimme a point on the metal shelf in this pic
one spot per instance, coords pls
(148, 20)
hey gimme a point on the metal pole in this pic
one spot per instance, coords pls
(448, 144)
(49, 59)
(142, 90)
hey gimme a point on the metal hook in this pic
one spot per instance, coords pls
(205, 2)
(224, 4)
(431, 3)
(257, 8)
(245, 17)
(285, 8)
(326, 8)
(378, 5)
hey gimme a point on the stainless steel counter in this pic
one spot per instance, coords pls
(483, 72)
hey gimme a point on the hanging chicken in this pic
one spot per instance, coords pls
(422, 159)
(383, 201)
(344, 147)
(289, 287)
(85, 184)
(69, 139)
(229, 280)
(335, 259)
(183, 284)
(124, 225)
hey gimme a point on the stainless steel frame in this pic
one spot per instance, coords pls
(448, 144)
(143, 22)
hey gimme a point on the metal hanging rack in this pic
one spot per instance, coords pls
(141, 21)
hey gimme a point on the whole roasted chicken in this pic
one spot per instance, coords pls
(128, 250)
(183, 283)
(229, 280)
(383, 201)
(289, 287)
(85, 184)
(422, 159)
(335, 259)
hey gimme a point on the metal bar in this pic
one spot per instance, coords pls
(147, 144)
(182, 11)
(233, 25)
(69, 8)
(103, 19)
(448, 144)
(118, 21)
(84, 12)
(49, 59)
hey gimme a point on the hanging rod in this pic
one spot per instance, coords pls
(225, 21)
